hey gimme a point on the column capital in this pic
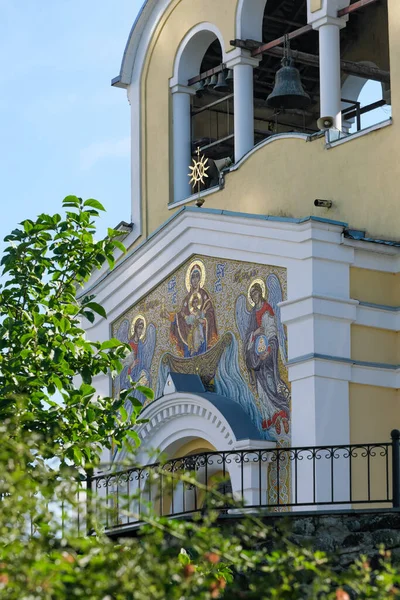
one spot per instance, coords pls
(325, 12)
(327, 20)
(182, 89)
(239, 56)
(248, 444)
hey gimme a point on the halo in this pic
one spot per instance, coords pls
(262, 284)
(202, 269)
(132, 330)
(195, 294)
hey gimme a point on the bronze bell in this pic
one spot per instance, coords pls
(213, 81)
(221, 85)
(288, 91)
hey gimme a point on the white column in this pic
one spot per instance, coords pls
(249, 473)
(182, 140)
(329, 71)
(322, 15)
(243, 64)
(318, 316)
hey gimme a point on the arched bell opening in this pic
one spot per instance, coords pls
(365, 102)
(194, 124)
(364, 55)
(271, 77)
(212, 114)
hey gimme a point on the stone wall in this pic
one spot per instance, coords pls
(347, 535)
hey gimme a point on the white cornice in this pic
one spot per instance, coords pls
(335, 307)
(345, 370)
(214, 234)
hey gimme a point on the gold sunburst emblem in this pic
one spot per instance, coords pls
(198, 172)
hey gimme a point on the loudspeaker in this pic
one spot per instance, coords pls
(325, 122)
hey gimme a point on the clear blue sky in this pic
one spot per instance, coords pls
(64, 129)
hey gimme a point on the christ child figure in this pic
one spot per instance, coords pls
(197, 323)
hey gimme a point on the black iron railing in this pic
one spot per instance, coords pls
(275, 479)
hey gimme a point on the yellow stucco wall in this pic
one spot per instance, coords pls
(194, 446)
(374, 412)
(285, 176)
(375, 345)
(375, 287)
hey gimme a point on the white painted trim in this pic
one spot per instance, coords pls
(358, 134)
(131, 77)
(343, 309)
(364, 250)
(238, 56)
(376, 377)
(373, 256)
(194, 197)
(254, 445)
(373, 316)
(182, 89)
(192, 49)
(344, 371)
(205, 418)
(212, 234)
(249, 19)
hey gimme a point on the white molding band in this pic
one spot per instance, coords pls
(351, 371)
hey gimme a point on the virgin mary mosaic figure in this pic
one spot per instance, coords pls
(263, 339)
(193, 328)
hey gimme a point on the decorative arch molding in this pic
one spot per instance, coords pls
(182, 415)
(249, 22)
(192, 49)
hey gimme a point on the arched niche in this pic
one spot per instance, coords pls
(249, 19)
(365, 91)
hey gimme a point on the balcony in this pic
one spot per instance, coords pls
(342, 477)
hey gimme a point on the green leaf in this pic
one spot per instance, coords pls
(86, 375)
(119, 245)
(89, 315)
(78, 456)
(111, 261)
(94, 204)
(184, 557)
(58, 382)
(87, 390)
(134, 436)
(28, 225)
(124, 414)
(64, 324)
(97, 308)
(112, 343)
(71, 201)
(145, 391)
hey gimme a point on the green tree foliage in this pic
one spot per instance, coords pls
(43, 349)
(53, 426)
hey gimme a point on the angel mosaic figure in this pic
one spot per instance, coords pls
(142, 340)
(193, 329)
(263, 338)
